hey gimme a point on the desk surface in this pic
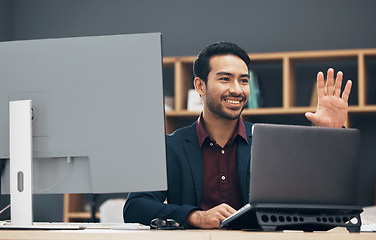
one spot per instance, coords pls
(107, 234)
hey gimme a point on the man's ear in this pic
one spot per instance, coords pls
(199, 86)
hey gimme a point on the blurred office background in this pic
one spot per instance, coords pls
(189, 26)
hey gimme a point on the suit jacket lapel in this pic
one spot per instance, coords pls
(243, 161)
(194, 156)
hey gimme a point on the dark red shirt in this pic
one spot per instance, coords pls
(220, 180)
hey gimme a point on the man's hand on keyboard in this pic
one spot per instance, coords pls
(211, 218)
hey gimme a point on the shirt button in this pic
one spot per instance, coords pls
(223, 178)
(223, 151)
(211, 144)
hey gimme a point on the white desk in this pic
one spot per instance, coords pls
(107, 234)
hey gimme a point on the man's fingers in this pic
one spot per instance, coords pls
(311, 117)
(226, 210)
(330, 82)
(320, 85)
(338, 84)
(346, 91)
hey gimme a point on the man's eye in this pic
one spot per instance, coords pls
(244, 80)
(224, 79)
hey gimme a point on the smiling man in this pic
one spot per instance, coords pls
(208, 162)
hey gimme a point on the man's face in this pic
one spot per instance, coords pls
(227, 88)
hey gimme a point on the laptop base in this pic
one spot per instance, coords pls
(308, 218)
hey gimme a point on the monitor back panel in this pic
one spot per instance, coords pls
(98, 108)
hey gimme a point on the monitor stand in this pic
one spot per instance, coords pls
(20, 152)
(20, 164)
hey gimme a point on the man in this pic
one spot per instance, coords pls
(208, 162)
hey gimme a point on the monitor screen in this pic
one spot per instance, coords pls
(98, 112)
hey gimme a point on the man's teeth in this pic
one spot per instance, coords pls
(232, 101)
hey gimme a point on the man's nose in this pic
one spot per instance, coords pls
(235, 87)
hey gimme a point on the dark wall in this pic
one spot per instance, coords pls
(189, 26)
(5, 20)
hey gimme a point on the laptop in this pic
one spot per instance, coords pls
(302, 178)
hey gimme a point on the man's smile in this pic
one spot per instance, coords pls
(233, 101)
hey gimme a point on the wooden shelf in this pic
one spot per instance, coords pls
(273, 111)
(248, 112)
(74, 209)
(362, 109)
(81, 215)
(287, 62)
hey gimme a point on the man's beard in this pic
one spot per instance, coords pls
(218, 109)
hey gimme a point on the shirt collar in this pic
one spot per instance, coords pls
(202, 134)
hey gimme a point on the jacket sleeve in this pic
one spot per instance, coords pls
(144, 207)
(181, 195)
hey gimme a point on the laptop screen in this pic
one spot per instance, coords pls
(304, 165)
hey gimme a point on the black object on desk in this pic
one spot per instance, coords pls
(165, 224)
(309, 218)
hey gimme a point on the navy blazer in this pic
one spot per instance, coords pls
(185, 179)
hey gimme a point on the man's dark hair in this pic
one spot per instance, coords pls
(201, 67)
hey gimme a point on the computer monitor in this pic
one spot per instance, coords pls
(98, 112)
